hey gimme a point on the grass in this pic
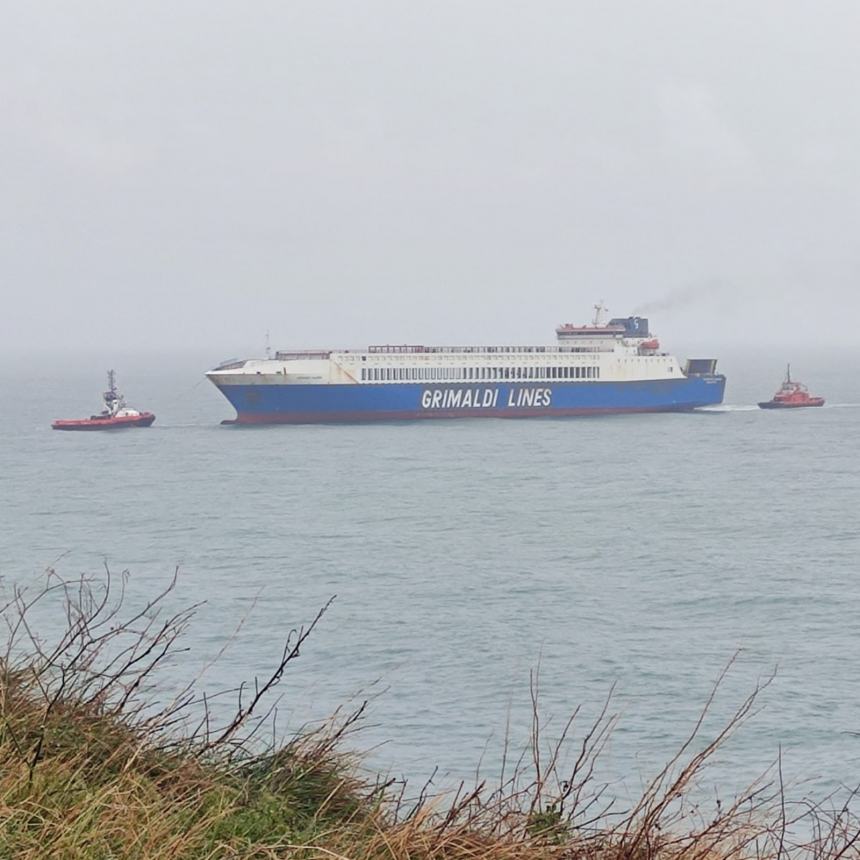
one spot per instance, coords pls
(91, 769)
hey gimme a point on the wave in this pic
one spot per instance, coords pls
(730, 407)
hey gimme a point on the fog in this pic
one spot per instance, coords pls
(189, 176)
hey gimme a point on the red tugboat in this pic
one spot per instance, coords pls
(791, 395)
(115, 414)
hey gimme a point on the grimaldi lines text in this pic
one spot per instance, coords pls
(591, 369)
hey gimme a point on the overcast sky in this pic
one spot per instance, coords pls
(191, 174)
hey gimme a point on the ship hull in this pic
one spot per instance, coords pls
(267, 403)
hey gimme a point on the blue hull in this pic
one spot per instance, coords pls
(313, 404)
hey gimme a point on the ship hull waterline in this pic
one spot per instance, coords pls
(770, 404)
(260, 403)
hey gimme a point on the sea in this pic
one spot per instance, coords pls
(473, 562)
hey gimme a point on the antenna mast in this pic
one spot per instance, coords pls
(268, 345)
(599, 310)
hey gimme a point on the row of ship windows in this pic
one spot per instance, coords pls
(475, 374)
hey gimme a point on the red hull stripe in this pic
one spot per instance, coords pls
(353, 417)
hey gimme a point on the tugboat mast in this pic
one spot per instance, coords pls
(112, 398)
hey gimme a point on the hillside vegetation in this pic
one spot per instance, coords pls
(92, 767)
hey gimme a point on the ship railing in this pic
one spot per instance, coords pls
(307, 354)
(405, 349)
(414, 349)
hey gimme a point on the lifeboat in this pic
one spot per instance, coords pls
(115, 414)
(791, 395)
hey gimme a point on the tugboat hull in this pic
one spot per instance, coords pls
(145, 419)
(770, 404)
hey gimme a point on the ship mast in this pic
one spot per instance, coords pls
(599, 310)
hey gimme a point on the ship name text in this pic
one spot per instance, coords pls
(485, 398)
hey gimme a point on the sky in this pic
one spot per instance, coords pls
(191, 175)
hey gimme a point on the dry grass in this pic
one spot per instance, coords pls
(90, 769)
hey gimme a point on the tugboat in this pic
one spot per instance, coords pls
(115, 414)
(791, 395)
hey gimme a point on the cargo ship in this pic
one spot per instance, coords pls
(604, 367)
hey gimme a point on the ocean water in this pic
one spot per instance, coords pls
(636, 551)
